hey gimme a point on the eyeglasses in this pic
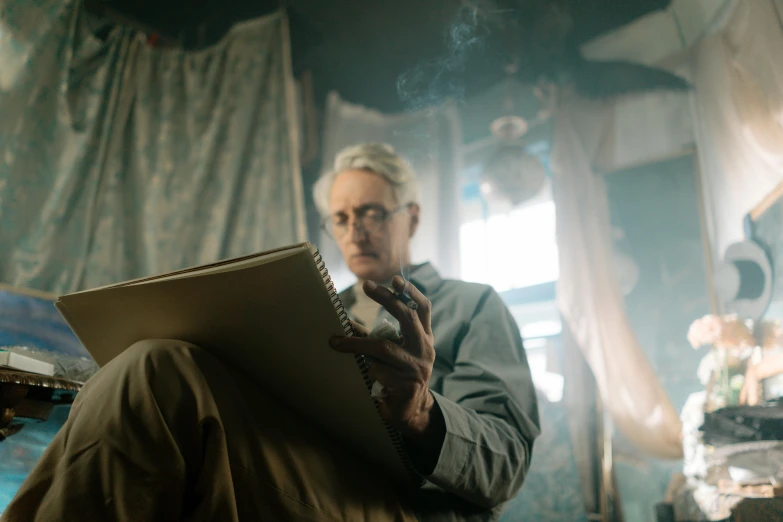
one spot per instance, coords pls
(369, 219)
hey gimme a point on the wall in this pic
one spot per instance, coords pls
(656, 206)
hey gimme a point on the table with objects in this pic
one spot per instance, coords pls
(27, 398)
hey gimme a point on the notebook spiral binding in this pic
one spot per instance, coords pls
(394, 435)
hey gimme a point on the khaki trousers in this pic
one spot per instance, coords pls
(165, 432)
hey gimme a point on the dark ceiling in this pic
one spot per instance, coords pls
(395, 55)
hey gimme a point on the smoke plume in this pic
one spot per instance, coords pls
(433, 81)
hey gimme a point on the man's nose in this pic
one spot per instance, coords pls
(356, 231)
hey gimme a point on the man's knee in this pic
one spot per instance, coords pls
(151, 377)
(153, 354)
(160, 352)
(160, 348)
(148, 364)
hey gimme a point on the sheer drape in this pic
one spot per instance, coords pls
(737, 73)
(588, 291)
(431, 140)
(120, 160)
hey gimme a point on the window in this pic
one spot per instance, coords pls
(513, 250)
(548, 384)
(516, 252)
(540, 325)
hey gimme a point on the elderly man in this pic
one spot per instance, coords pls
(460, 383)
(166, 432)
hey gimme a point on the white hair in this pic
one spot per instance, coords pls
(378, 158)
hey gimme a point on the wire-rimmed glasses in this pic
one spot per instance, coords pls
(367, 218)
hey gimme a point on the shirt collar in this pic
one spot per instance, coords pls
(425, 278)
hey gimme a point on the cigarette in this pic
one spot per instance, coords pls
(405, 299)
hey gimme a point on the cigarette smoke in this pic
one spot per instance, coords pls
(431, 82)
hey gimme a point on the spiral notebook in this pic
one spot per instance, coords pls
(268, 315)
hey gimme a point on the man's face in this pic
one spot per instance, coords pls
(373, 238)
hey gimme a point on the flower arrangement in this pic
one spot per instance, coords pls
(727, 331)
(769, 334)
(733, 341)
(739, 350)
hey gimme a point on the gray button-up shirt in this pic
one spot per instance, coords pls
(482, 383)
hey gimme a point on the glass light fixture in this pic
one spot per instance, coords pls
(511, 174)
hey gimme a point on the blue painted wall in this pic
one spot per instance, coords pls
(657, 208)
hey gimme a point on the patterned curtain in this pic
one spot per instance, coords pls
(120, 160)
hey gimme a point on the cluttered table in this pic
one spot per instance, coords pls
(733, 466)
(29, 398)
(724, 503)
(732, 431)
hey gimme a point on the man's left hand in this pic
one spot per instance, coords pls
(404, 369)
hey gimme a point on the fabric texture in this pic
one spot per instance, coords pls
(608, 136)
(482, 384)
(166, 432)
(431, 139)
(589, 297)
(738, 78)
(120, 160)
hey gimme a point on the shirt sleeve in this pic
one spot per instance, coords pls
(490, 410)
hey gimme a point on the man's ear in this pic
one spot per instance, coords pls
(413, 211)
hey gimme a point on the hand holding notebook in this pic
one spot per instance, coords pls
(404, 369)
